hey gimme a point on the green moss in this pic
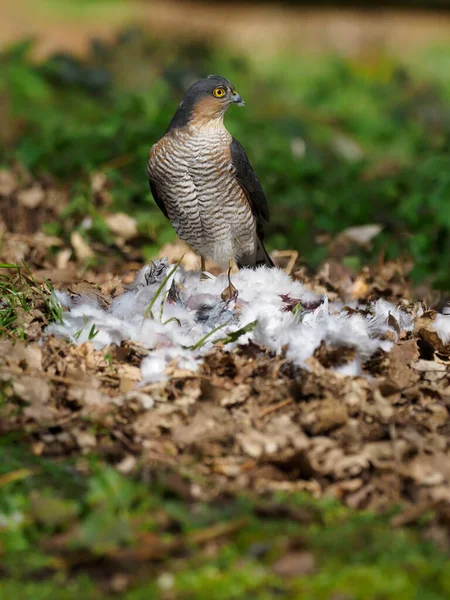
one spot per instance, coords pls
(49, 590)
(357, 555)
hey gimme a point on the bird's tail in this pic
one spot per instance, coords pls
(262, 256)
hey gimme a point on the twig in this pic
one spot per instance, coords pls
(292, 255)
(119, 161)
(16, 475)
(218, 530)
(274, 407)
(156, 548)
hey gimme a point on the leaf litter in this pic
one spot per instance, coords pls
(337, 383)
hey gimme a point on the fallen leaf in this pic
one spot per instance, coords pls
(31, 197)
(122, 225)
(295, 564)
(238, 395)
(321, 416)
(81, 248)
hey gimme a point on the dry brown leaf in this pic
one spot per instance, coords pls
(8, 182)
(429, 366)
(278, 434)
(122, 225)
(238, 395)
(31, 197)
(81, 248)
(430, 470)
(322, 416)
(295, 564)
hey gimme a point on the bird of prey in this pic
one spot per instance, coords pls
(202, 180)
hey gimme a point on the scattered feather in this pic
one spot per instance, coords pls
(189, 317)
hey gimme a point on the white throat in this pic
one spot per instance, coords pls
(209, 125)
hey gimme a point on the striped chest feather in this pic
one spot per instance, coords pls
(208, 209)
(182, 163)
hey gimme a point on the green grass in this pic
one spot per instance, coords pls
(101, 512)
(19, 293)
(315, 131)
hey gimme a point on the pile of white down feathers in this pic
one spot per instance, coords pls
(180, 317)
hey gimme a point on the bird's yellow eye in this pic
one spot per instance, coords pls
(219, 92)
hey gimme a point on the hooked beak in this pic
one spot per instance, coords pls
(236, 99)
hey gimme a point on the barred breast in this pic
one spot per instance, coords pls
(208, 209)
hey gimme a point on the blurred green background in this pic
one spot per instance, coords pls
(338, 139)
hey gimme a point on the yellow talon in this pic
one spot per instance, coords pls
(230, 292)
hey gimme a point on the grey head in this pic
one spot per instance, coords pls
(206, 98)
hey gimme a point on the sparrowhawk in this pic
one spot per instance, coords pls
(202, 180)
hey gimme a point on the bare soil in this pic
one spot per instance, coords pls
(259, 30)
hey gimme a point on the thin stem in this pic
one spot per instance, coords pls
(160, 289)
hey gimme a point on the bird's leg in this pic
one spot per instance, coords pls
(204, 273)
(230, 292)
(204, 277)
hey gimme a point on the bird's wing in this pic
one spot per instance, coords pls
(250, 185)
(156, 192)
(158, 197)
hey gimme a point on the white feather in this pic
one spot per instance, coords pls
(175, 328)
